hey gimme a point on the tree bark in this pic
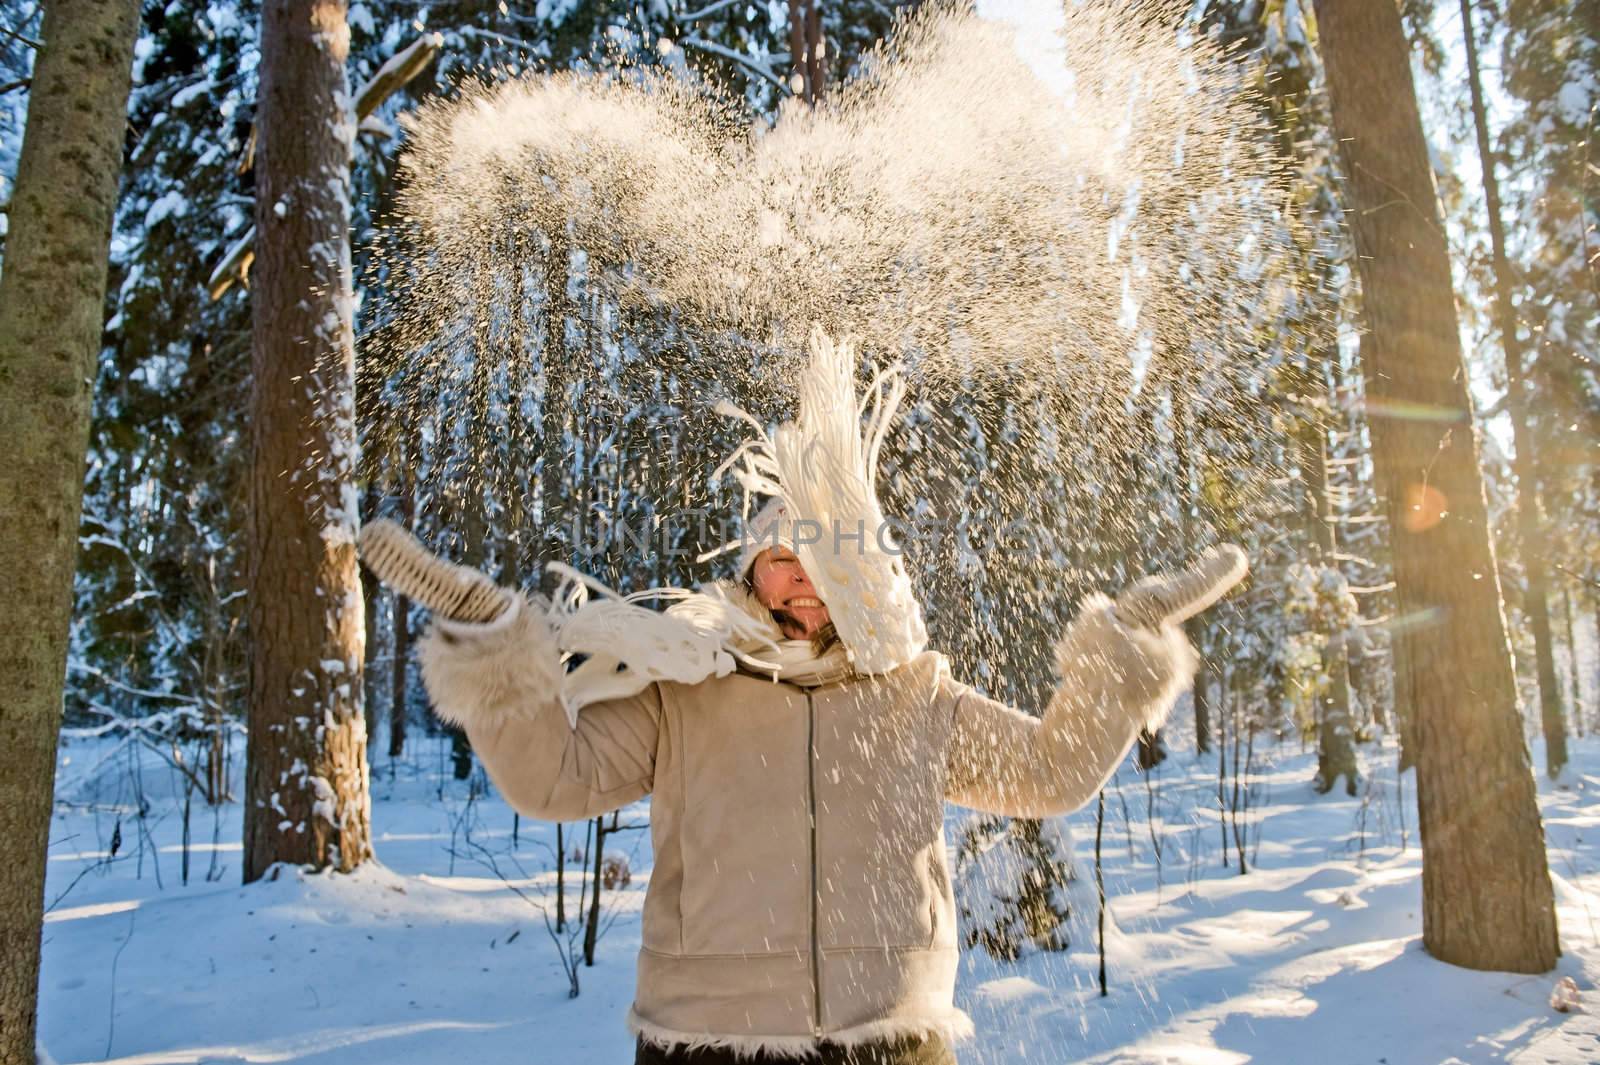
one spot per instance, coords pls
(400, 689)
(1574, 674)
(1530, 526)
(1594, 614)
(1182, 422)
(399, 703)
(307, 800)
(1336, 752)
(806, 50)
(52, 306)
(371, 591)
(591, 926)
(1487, 899)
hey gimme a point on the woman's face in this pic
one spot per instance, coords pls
(783, 588)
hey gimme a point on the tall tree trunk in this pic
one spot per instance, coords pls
(1594, 613)
(1536, 603)
(1336, 752)
(399, 689)
(371, 590)
(52, 307)
(553, 409)
(307, 799)
(1574, 674)
(1487, 899)
(591, 925)
(806, 50)
(1182, 423)
(561, 880)
(400, 697)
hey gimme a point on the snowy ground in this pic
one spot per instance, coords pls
(1315, 955)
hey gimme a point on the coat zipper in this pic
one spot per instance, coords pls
(811, 800)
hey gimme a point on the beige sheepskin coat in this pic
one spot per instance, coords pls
(801, 889)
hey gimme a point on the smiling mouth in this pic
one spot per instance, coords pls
(804, 601)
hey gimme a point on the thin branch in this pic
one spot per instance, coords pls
(498, 38)
(1580, 578)
(235, 265)
(748, 62)
(709, 10)
(11, 86)
(14, 35)
(397, 72)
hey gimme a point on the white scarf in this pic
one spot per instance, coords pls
(626, 646)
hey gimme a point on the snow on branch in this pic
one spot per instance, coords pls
(394, 75)
(708, 10)
(750, 63)
(397, 72)
(235, 266)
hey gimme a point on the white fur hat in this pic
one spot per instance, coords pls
(820, 471)
(770, 527)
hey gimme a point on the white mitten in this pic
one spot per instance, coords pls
(1155, 602)
(453, 592)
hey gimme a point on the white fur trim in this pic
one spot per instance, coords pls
(480, 675)
(1141, 670)
(951, 1024)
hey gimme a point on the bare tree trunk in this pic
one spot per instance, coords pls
(1336, 753)
(1574, 674)
(370, 591)
(806, 47)
(561, 881)
(1487, 899)
(307, 800)
(553, 409)
(1594, 614)
(591, 927)
(1530, 526)
(1202, 709)
(1237, 800)
(1181, 424)
(399, 689)
(1100, 888)
(1224, 705)
(460, 753)
(52, 308)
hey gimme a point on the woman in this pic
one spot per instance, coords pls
(798, 742)
(800, 902)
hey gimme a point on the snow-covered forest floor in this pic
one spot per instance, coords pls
(431, 955)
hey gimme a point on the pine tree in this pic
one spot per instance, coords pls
(1487, 897)
(1550, 66)
(52, 293)
(1530, 523)
(306, 790)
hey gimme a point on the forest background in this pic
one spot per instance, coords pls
(159, 644)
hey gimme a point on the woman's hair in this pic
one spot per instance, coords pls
(823, 640)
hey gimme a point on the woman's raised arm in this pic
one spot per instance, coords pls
(1114, 680)
(491, 665)
(1122, 665)
(501, 682)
